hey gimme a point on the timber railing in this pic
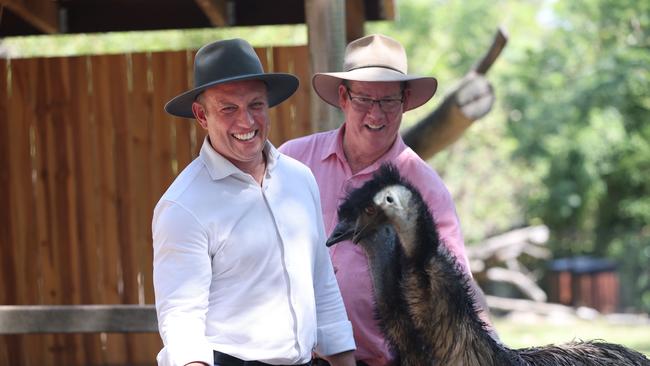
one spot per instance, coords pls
(32, 319)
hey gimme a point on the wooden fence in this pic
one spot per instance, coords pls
(86, 150)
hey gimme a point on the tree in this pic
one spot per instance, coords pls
(583, 117)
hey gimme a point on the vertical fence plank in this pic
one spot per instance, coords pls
(50, 189)
(64, 190)
(139, 124)
(83, 130)
(168, 81)
(7, 287)
(265, 55)
(127, 163)
(111, 267)
(141, 107)
(177, 79)
(12, 155)
(293, 115)
(29, 228)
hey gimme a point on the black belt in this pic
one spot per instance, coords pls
(321, 362)
(223, 359)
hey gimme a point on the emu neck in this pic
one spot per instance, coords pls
(446, 312)
(440, 301)
(385, 258)
(383, 261)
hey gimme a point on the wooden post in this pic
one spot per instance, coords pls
(355, 18)
(326, 37)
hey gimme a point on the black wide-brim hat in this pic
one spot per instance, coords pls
(227, 61)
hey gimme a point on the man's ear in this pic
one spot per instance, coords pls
(406, 96)
(199, 114)
(343, 97)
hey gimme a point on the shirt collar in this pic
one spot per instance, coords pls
(335, 147)
(219, 167)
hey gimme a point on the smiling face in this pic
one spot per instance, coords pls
(237, 120)
(370, 132)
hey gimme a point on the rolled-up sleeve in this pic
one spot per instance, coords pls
(181, 276)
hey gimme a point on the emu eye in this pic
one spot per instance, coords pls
(389, 199)
(370, 210)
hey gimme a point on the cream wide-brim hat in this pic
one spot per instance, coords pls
(375, 58)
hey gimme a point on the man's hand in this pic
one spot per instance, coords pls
(341, 359)
(474, 96)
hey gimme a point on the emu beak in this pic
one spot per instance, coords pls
(355, 231)
(344, 230)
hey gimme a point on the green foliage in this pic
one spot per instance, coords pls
(152, 41)
(584, 116)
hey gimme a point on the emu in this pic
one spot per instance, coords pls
(423, 300)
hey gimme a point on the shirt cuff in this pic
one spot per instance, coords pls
(335, 338)
(184, 355)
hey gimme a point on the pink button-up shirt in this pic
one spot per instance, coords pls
(323, 153)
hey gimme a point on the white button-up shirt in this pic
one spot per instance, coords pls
(243, 268)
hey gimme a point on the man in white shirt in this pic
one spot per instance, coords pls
(241, 272)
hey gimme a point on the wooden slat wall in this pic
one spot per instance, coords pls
(86, 151)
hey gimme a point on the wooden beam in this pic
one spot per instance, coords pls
(216, 11)
(387, 10)
(326, 37)
(41, 14)
(355, 18)
(448, 122)
(27, 319)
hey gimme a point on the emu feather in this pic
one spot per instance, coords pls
(423, 300)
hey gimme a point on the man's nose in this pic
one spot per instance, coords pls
(375, 109)
(246, 117)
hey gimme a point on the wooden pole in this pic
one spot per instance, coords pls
(326, 36)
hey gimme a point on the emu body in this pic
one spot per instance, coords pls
(423, 300)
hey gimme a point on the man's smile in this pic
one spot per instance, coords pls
(245, 136)
(374, 127)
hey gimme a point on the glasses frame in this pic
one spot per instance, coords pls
(361, 102)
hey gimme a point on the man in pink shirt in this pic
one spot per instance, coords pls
(373, 92)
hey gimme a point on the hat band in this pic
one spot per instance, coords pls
(380, 66)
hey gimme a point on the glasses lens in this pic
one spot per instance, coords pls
(390, 105)
(363, 103)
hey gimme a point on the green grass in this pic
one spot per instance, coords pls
(518, 334)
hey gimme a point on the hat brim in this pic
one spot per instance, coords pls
(279, 87)
(422, 87)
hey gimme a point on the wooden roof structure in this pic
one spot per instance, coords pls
(34, 17)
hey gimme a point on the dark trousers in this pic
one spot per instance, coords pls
(222, 359)
(321, 362)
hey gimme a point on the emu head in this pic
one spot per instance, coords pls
(382, 209)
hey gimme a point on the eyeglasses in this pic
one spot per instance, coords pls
(363, 104)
